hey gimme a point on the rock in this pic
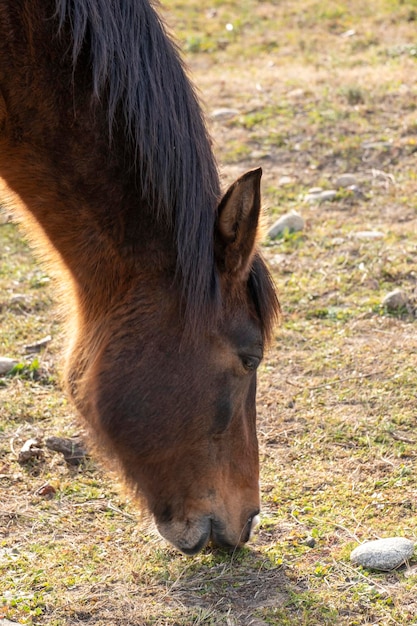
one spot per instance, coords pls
(6, 365)
(383, 554)
(296, 93)
(317, 195)
(349, 33)
(368, 234)
(19, 298)
(277, 259)
(345, 180)
(355, 191)
(313, 195)
(7, 622)
(38, 346)
(376, 145)
(310, 542)
(395, 300)
(258, 155)
(330, 194)
(290, 222)
(224, 114)
(285, 180)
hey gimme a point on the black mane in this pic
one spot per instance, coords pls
(136, 70)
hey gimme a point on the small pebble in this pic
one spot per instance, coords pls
(295, 93)
(368, 234)
(328, 195)
(19, 298)
(290, 222)
(376, 145)
(224, 114)
(313, 195)
(383, 554)
(6, 365)
(395, 300)
(345, 180)
(38, 346)
(257, 155)
(317, 196)
(349, 33)
(354, 189)
(285, 180)
(310, 542)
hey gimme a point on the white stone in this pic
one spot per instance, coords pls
(6, 365)
(19, 298)
(285, 180)
(349, 33)
(317, 195)
(383, 554)
(296, 93)
(368, 234)
(290, 222)
(224, 114)
(328, 195)
(345, 180)
(312, 198)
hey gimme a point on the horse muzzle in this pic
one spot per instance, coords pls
(191, 536)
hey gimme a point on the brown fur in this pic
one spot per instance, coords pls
(169, 305)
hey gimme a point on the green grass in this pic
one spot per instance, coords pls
(337, 392)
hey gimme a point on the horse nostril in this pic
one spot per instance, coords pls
(253, 522)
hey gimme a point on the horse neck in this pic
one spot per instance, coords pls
(79, 186)
(86, 219)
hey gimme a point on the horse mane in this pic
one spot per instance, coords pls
(136, 71)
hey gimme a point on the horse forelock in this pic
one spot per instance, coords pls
(137, 73)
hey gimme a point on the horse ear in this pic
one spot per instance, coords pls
(237, 224)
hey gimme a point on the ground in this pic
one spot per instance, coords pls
(314, 90)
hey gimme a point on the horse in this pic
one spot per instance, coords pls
(106, 157)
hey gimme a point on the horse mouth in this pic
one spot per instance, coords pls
(190, 538)
(220, 540)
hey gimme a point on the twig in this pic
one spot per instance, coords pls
(111, 506)
(358, 573)
(399, 437)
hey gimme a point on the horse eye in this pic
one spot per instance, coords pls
(250, 363)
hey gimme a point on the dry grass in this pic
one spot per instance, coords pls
(321, 88)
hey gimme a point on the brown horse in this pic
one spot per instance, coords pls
(105, 152)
